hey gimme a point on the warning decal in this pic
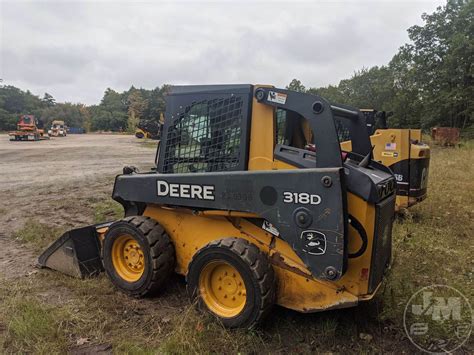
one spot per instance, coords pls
(277, 97)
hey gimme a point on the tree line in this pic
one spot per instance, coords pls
(429, 82)
(115, 112)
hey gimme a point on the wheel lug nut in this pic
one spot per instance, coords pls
(220, 288)
(233, 298)
(225, 296)
(225, 273)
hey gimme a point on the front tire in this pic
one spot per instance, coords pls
(233, 280)
(138, 255)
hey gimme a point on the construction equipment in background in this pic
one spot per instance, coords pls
(28, 128)
(403, 151)
(446, 136)
(149, 128)
(238, 205)
(58, 129)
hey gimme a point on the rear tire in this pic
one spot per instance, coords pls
(138, 255)
(233, 280)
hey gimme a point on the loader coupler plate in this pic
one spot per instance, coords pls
(75, 253)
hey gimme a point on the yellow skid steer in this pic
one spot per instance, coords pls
(240, 205)
(403, 151)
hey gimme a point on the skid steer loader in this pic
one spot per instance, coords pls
(403, 151)
(242, 209)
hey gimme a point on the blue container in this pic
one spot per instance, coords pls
(76, 130)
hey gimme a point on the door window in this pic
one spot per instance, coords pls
(205, 137)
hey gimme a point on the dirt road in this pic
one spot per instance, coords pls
(27, 166)
(54, 180)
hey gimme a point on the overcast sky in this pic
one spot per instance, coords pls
(75, 50)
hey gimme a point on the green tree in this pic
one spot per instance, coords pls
(136, 107)
(14, 102)
(442, 55)
(113, 110)
(428, 82)
(71, 114)
(86, 116)
(295, 85)
(48, 100)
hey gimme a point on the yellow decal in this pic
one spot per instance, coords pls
(390, 154)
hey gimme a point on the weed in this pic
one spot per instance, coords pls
(32, 327)
(37, 234)
(107, 210)
(433, 243)
(197, 333)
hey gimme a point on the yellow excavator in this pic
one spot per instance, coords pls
(402, 150)
(149, 128)
(249, 209)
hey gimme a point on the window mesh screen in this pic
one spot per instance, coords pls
(280, 126)
(205, 137)
(343, 133)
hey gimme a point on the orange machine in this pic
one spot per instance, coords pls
(27, 129)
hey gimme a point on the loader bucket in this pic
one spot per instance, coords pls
(75, 253)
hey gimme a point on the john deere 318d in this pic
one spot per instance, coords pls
(242, 207)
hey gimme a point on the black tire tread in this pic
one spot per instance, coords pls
(261, 269)
(161, 251)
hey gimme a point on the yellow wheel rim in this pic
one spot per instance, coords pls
(128, 258)
(222, 289)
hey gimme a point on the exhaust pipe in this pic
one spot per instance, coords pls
(76, 252)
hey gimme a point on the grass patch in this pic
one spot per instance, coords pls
(36, 234)
(432, 243)
(32, 327)
(197, 333)
(107, 210)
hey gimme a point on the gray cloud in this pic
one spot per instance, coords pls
(75, 50)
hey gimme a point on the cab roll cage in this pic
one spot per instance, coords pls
(321, 116)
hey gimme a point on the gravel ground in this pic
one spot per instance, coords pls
(52, 180)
